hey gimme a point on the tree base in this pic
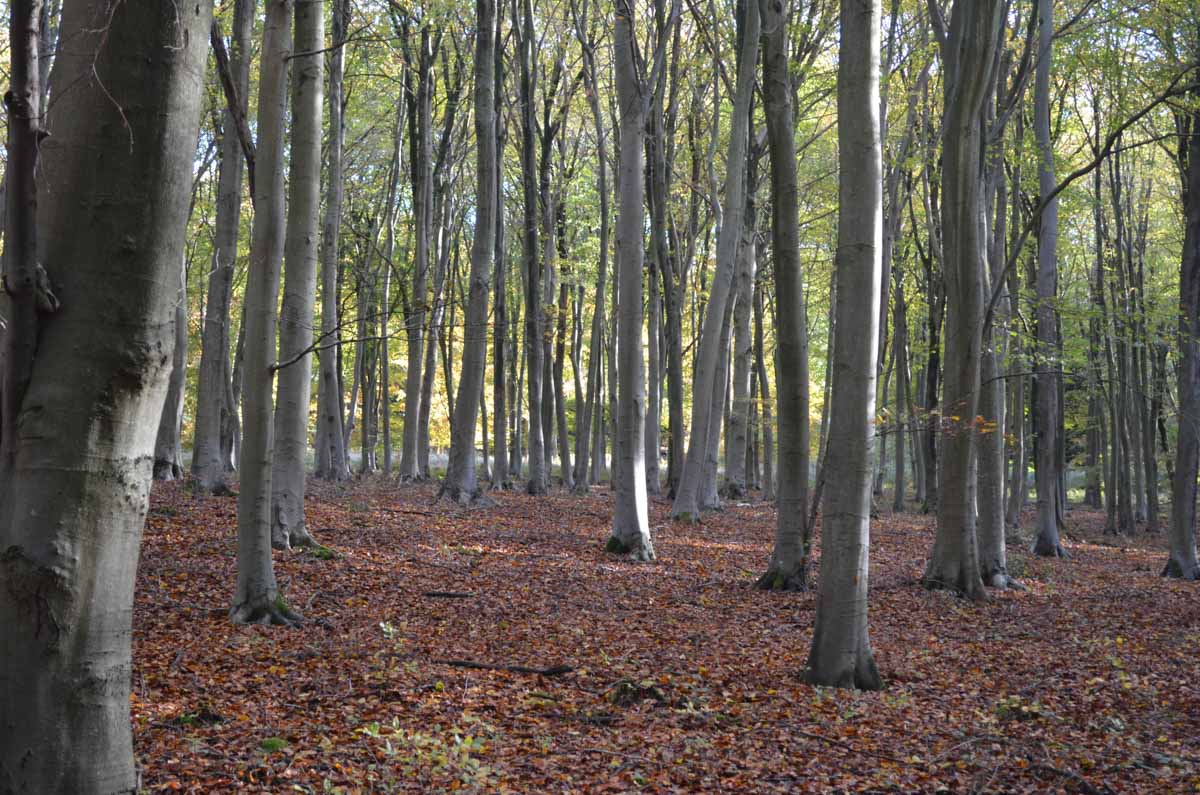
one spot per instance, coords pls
(294, 538)
(1003, 581)
(638, 550)
(778, 580)
(500, 485)
(733, 491)
(1177, 571)
(1049, 549)
(962, 586)
(274, 613)
(465, 498)
(862, 675)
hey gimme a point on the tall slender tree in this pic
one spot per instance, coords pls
(841, 653)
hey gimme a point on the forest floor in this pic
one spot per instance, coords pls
(682, 677)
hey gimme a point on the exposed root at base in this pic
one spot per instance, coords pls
(777, 580)
(973, 592)
(639, 552)
(273, 614)
(1048, 550)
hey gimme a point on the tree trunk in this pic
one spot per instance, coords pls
(1182, 562)
(213, 407)
(257, 598)
(841, 653)
(293, 394)
(1047, 542)
(631, 524)
(739, 419)
(461, 484)
(420, 133)
(168, 452)
(788, 567)
(75, 477)
(968, 59)
(705, 387)
(331, 450)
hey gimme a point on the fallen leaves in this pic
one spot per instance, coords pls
(500, 650)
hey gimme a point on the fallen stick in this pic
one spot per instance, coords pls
(555, 670)
(449, 595)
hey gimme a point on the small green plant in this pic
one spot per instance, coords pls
(273, 744)
(438, 757)
(323, 553)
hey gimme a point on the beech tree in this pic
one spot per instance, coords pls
(841, 653)
(461, 478)
(968, 45)
(215, 409)
(256, 598)
(631, 523)
(87, 355)
(296, 314)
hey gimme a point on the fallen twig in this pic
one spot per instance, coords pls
(449, 595)
(554, 670)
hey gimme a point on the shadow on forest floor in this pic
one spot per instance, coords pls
(419, 667)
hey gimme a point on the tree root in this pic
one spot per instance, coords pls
(1002, 580)
(1175, 571)
(775, 579)
(636, 551)
(275, 613)
(1045, 549)
(971, 591)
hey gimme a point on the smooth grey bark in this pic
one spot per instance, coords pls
(1046, 543)
(461, 482)
(631, 523)
(419, 88)
(764, 388)
(500, 415)
(538, 480)
(900, 346)
(257, 598)
(706, 389)
(788, 566)
(841, 653)
(297, 313)
(332, 463)
(168, 450)
(738, 441)
(594, 404)
(213, 407)
(968, 50)
(1182, 562)
(75, 478)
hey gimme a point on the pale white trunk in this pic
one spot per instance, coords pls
(631, 522)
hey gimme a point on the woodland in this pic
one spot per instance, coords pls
(580, 396)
